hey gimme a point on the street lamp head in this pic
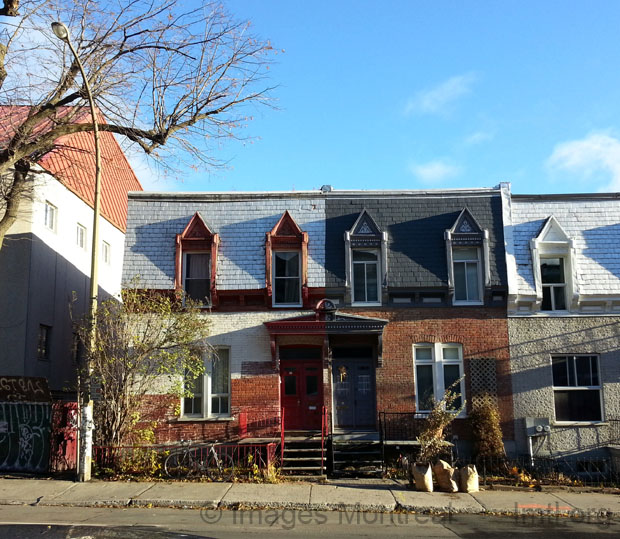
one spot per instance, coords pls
(60, 31)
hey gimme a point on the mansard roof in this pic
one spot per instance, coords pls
(590, 222)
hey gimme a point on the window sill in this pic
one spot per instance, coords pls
(467, 303)
(287, 306)
(367, 304)
(202, 419)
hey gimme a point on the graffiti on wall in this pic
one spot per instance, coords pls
(24, 436)
(23, 389)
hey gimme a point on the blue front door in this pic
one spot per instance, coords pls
(354, 393)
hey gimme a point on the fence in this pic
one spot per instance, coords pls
(404, 426)
(148, 460)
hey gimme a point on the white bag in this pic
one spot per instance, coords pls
(423, 477)
(469, 479)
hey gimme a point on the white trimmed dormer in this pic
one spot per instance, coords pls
(365, 262)
(554, 267)
(467, 253)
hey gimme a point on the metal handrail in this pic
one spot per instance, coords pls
(282, 438)
(323, 429)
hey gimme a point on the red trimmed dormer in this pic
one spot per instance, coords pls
(196, 262)
(286, 264)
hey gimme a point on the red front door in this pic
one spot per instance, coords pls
(301, 385)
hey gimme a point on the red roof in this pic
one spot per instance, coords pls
(73, 164)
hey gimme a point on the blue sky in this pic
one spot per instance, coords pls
(430, 94)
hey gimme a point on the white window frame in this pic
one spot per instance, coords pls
(377, 264)
(184, 266)
(80, 236)
(552, 286)
(206, 379)
(598, 387)
(106, 252)
(274, 277)
(50, 218)
(438, 362)
(478, 262)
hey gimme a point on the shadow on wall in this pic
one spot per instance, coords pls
(601, 247)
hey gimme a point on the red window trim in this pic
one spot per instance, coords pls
(287, 236)
(196, 238)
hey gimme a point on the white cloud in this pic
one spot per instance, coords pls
(434, 172)
(595, 156)
(478, 137)
(436, 100)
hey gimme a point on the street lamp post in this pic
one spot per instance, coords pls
(86, 426)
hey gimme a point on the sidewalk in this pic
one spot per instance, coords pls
(377, 495)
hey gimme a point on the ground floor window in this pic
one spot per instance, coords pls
(210, 391)
(576, 388)
(437, 366)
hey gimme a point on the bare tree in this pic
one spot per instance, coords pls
(145, 343)
(170, 81)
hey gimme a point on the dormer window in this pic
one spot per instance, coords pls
(196, 259)
(467, 250)
(365, 261)
(286, 257)
(553, 267)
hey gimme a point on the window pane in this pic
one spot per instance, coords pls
(546, 302)
(577, 405)
(594, 364)
(312, 385)
(560, 297)
(359, 282)
(369, 256)
(371, 282)
(197, 266)
(450, 352)
(290, 385)
(424, 352)
(287, 291)
(465, 253)
(472, 282)
(198, 290)
(192, 405)
(224, 409)
(424, 386)
(286, 264)
(584, 377)
(220, 372)
(552, 270)
(460, 286)
(451, 373)
(215, 405)
(560, 372)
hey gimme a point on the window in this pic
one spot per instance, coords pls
(286, 278)
(365, 276)
(106, 252)
(51, 213)
(43, 342)
(576, 388)
(553, 284)
(196, 277)
(466, 273)
(437, 367)
(196, 262)
(210, 391)
(80, 236)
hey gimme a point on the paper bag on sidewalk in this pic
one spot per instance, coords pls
(423, 477)
(469, 479)
(447, 477)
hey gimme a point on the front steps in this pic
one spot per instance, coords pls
(302, 455)
(357, 455)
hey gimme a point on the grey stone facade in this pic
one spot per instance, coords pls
(533, 341)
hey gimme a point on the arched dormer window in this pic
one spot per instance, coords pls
(553, 264)
(196, 262)
(467, 252)
(365, 262)
(286, 263)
